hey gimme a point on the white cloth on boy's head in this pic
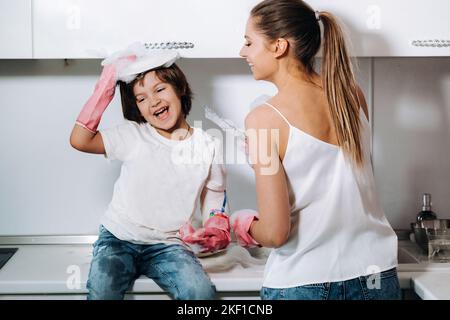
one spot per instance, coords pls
(145, 60)
(155, 59)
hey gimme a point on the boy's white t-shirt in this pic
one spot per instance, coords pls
(160, 181)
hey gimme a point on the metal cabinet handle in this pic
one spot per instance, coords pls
(169, 45)
(431, 43)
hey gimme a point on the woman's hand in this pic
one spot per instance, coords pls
(241, 221)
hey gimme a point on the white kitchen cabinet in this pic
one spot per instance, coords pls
(15, 29)
(91, 29)
(380, 28)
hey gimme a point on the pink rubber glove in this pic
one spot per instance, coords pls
(186, 229)
(214, 235)
(93, 109)
(241, 221)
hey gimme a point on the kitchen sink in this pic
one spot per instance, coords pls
(406, 257)
(409, 254)
(5, 255)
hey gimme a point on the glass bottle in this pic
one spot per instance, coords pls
(426, 213)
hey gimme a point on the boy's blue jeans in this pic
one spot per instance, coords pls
(382, 286)
(117, 263)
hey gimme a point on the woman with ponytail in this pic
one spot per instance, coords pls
(310, 149)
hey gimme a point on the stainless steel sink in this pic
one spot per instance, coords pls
(5, 255)
(406, 257)
(410, 254)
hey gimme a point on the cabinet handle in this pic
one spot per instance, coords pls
(169, 45)
(431, 43)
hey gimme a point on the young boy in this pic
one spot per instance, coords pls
(157, 191)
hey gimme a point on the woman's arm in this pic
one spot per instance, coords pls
(273, 227)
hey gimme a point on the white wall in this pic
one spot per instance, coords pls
(412, 135)
(46, 187)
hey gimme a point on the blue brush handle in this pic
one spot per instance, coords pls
(211, 214)
(224, 201)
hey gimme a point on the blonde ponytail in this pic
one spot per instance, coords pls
(340, 88)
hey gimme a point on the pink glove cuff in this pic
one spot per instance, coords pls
(241, 226)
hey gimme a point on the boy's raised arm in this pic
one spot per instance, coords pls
(84, 136)
(86, 141)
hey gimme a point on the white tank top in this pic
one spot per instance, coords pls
(339, 230)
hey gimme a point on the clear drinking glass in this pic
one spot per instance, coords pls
(439, 246)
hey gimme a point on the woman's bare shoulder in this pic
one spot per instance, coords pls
(257, 117)
(262, 117)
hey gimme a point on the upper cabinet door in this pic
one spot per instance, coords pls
(91, 29)
(393, 27)
(215, 28)
(15, 29)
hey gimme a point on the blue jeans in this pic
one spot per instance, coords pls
(117, 263)
(382, 286)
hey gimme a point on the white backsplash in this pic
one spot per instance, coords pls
(412, 135)
(47, 187)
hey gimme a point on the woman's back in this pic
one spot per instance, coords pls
(306, 108)
(337, 221)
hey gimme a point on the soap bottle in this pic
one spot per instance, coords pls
(426, 213)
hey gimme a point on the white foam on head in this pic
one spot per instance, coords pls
(151, 60)
(146, 59)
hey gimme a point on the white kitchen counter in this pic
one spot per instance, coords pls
(432, 285)
(63, 270)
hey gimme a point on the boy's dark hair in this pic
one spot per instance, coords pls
(171, 75)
